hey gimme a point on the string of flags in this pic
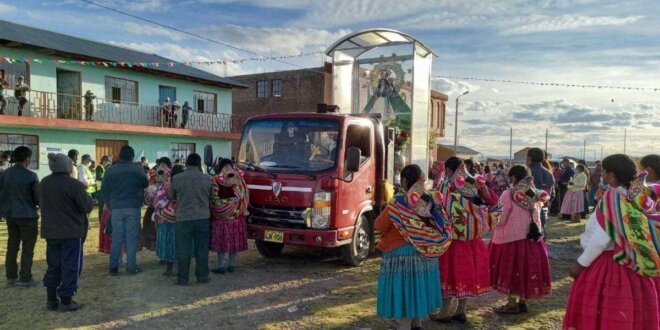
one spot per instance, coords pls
(169, 64)
(653, 89)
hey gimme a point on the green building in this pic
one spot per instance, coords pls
(130, 88)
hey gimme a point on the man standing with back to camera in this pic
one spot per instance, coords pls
(543, 179)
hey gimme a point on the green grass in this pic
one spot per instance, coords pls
(261, 294)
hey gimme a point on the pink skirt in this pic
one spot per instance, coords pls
(573, 202)
(464, 269)
(104, 240)
(520, 268)
(610, 296)
(229, 236)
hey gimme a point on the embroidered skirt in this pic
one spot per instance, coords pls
(408, 284)
(464, 269)
(229, 236)
(165, 242)
(520, 268)
(607, 296)
(104, 240)
(573, 202)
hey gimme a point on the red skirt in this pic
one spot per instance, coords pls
(104, 240)
(229, 236)
(607, 295)
(464, 269)
(148, 231)
(520, 268)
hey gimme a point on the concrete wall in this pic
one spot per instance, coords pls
(43, 78)
(85, 143)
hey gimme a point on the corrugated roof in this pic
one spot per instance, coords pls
(461, 149)
(39, 38)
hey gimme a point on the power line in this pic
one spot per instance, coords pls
(552, 84)
(190, 33)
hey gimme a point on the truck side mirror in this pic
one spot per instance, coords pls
(208, 155)
(353, 155)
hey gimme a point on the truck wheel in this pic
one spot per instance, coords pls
(269, 249)
(355, 253)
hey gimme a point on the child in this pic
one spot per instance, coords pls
(228, 209)
(519, 265)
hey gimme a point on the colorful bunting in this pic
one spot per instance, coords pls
(546, 83)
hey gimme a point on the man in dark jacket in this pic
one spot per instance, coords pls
(19, 199)
(123, 193)
(192, 191)
(64, 208)
(543, 179)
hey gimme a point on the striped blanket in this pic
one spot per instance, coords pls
(228, 208)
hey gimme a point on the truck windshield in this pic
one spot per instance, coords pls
(289, 145)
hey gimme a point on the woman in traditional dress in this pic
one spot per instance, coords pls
(413, 234)
(165, 219)
(148, 231)
(465, 265)
(616, 277)
(573, 203)
(105, 237)
(519, 264)
(228, 221)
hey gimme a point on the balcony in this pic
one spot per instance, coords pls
(48, 105)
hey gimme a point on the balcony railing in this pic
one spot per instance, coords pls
(63, 106)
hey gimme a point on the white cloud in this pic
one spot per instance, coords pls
(4, 8)
(152, 30)
(451, 87)
(544, 23)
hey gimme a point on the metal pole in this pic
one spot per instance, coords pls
(546, 142)
(456, 123)
(511, 147)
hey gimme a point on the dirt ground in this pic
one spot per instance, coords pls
(303, 289)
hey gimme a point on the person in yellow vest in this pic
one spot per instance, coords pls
(86, 176)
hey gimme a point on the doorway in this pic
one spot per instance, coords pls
(108, 148)
(164, 92)
(69, 95)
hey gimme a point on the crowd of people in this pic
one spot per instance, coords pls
(434, 250)
(189, 213)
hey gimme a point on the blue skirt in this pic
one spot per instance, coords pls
(408, 284)
(165, 242)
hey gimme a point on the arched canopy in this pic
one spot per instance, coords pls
(360, 42)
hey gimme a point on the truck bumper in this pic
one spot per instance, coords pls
(305, 237)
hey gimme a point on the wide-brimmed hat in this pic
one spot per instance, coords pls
(525, 194)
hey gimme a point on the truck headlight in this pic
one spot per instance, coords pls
(318, 217)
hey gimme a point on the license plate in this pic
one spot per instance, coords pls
(274, 236)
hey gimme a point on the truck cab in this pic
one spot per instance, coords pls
(315, 180)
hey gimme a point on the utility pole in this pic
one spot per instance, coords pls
(511, 147)
(625, 138)
(456, 123)
(584, 150)
(546, 142)
(601, 153)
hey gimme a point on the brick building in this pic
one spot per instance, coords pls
(300, 91)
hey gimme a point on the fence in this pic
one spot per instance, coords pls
(63, 106)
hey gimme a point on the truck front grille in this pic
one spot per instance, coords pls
(277, 216)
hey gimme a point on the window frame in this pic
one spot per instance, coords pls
(262, 92)
(205, 99)
(278, 89)
(34, 159)
(176, 147)
(121, 89)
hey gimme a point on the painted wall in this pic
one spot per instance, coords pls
(43, 78)
(85, 143)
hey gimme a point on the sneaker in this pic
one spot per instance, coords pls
(27, 284)
(73, 306)
(134, 272)
(11, 282)
(52, 305)
(114, 272)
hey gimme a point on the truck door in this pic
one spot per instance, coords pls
(358, 193)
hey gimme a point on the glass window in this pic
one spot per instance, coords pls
(262, 88)
(289, 145)
(121, 90)
(205, 102)
(182, 150)
(277, 88)
(360, 137)
(11, 71)
(13, 141)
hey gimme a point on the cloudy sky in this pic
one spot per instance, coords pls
(595, 42)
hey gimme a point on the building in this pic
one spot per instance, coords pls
(446, 151)
(300, 91)
(521, 155)
(129, 87)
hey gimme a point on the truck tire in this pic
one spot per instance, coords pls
(357, 251)
(269, 249)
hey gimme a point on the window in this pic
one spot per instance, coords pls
(277, 88)
(205, 102)
(12, 141)
(11, 71)
(121, 90)
(182, 150)
(360, 137)
(262, 88)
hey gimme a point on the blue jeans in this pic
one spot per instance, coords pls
(125, 229)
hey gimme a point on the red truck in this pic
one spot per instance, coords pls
(316, 180)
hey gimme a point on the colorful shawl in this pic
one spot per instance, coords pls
(637, 239)
(468, 219)
(164, 208)
(228, 208)
(430, 240)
